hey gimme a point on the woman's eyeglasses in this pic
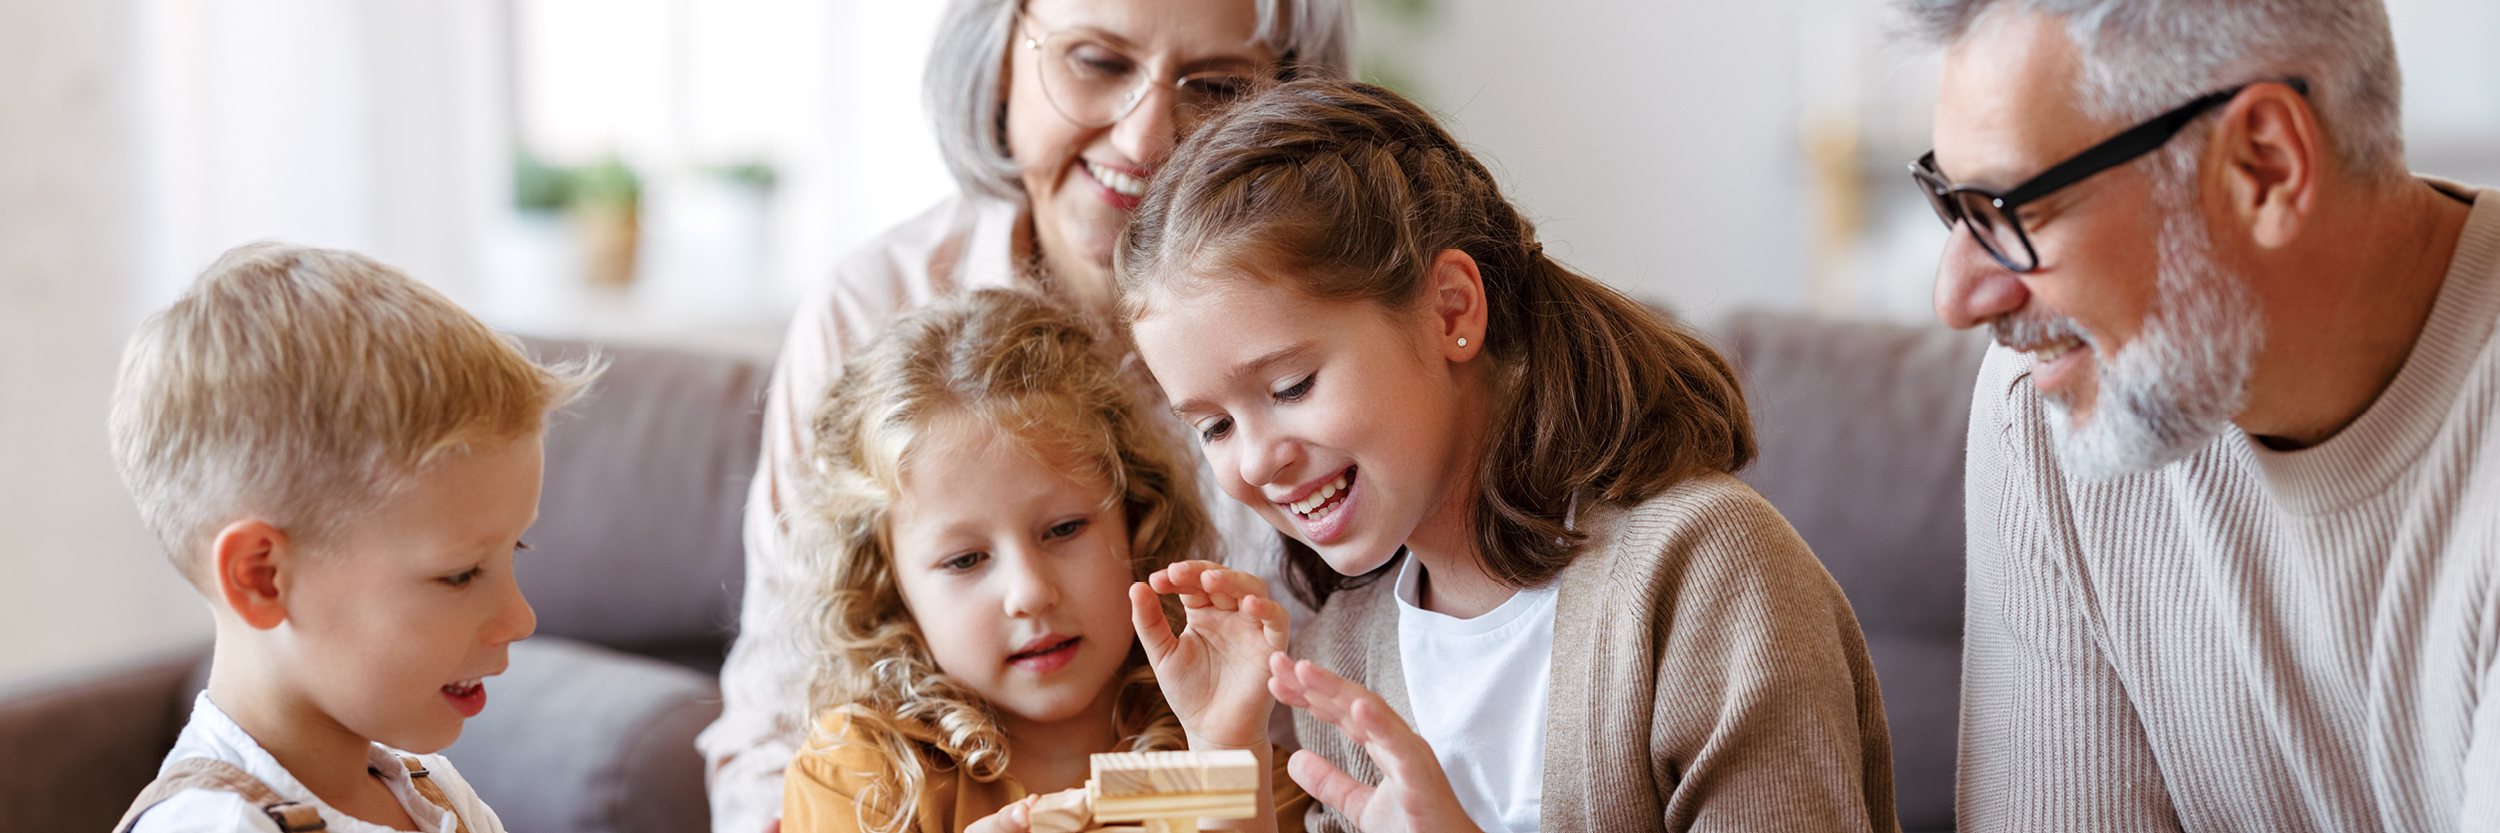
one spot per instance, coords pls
(1992, 215)
(1095, 85)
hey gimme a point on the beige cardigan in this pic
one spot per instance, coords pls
(1708, 675)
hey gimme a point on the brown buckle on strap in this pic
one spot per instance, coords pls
(418, 778)
(212, 774)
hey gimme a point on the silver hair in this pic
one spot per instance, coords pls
(2143, 57)
(962, 91)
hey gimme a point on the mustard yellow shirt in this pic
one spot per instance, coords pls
(821, 790)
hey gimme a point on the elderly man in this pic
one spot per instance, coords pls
(2234, 480)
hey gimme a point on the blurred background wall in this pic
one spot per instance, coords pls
(676, 171)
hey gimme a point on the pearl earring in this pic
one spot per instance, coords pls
(1462, 341)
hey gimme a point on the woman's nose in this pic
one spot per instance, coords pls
(1149, 132)
(1972, 288)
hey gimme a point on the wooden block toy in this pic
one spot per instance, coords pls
(1066, 811)
(1153, 773)
(1171, 791)
(1167, 791)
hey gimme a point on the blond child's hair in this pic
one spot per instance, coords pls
(1016, 361)
(305, 387)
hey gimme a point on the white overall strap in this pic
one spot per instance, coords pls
(212, 774)
(418, 778)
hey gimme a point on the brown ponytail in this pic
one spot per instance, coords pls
(1348, 191)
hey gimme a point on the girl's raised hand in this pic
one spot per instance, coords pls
(1413, 793)
(1214, 672)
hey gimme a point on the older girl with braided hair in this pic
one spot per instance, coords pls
(1545, 602)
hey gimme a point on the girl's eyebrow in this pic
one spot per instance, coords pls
(1247, 369)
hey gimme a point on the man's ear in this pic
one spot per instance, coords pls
(1458, 305)
(2271, 150)
(248, 557)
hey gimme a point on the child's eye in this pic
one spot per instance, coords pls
(1216, 429)
(1064, 529)
(964, 562)
(462, 579)
(1298, 390)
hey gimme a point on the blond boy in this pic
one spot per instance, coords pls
(342, 461)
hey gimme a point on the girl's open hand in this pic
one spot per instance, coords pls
(1413, 793)
(1214, 672)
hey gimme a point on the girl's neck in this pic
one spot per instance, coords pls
(1456, 582)
(1047, 757)
(1458, 586)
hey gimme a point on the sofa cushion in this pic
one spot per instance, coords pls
(581, 739)
(637, 545)
(80, 748)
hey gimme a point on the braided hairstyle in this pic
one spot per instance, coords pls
(1347, 191)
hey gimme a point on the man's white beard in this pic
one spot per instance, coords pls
(2179, 384)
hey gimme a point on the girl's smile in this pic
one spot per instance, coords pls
(1322, 510)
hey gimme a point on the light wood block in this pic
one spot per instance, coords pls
(1066, 811)
(1152, 773)
(1230, 804)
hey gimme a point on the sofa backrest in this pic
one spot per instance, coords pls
(1861, 428)
(637, 545)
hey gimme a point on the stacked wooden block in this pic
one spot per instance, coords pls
(1167, 791)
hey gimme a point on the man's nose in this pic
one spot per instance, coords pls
(1971, 287)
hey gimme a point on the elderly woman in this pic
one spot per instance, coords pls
(1051, 115)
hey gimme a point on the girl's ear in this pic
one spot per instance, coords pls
(247, 556)
(1457, 293)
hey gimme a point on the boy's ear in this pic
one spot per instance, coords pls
(1458, 304)
(247, 556)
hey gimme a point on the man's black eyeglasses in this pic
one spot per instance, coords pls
(1991, 213)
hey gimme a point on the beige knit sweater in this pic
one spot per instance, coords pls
(1707, 675)
(2247, 640)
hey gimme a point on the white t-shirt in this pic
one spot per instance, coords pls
(211, 734)
(1478, 688)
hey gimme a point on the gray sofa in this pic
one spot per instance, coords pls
(637, 569)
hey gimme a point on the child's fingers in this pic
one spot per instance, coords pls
(1400, 752)
(1282, 683)
(1330, 785)
(1272, 618)
(1145, 612)
(1183, 579)
(1333, 699)
(1013, 818)
(1234, 583)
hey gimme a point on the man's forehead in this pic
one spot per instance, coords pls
(2005, 101)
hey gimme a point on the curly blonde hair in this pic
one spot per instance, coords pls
(1036, 371)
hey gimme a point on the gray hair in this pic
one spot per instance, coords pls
(962, 91)
(2142, 57)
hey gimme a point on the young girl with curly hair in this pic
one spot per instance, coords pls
(1545, 603)
(990, 523)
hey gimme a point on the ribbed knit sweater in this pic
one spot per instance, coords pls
(1707, 676)
(2247, 640)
